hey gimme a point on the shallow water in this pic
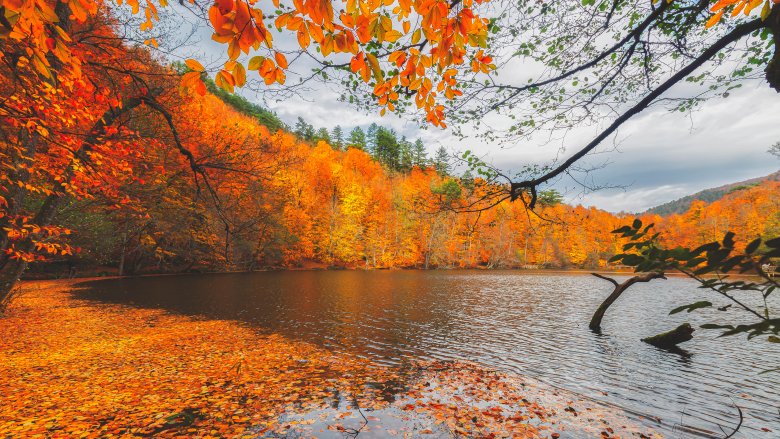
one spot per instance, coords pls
(531, 324)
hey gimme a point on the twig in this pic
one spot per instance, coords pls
(741, 418)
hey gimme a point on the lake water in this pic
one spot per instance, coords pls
(530, 324)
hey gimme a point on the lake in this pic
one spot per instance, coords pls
(530, 324)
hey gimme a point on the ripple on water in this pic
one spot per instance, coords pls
(529, 324)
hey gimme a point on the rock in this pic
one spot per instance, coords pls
(671, 338)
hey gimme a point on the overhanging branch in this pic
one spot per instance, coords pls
(737, 33)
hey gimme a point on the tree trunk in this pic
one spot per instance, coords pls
(122, 255)
(12, 270)
(15, 194)
(773, 67)
(595, 321)
(671, 339)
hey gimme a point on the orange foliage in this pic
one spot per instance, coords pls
(106, 371)
(262, 198)
(749, 212)
(737, 7)
(395, 46)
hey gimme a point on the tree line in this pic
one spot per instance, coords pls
(383, 144)
(297, 203)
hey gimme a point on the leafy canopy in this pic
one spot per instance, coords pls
(403, 49)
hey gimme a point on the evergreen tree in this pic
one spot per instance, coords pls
(371, 134)
(322, 134)
(304, 130)
(386, 148)
(357, 138)
(406, 156)
(775, 150)
(467, 180)
(337, 136)
(550, 197)
(419, 155)
(442, 161)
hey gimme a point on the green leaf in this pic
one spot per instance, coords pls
(691, 307)
(753, 246)
(714, 326)
(774, 243)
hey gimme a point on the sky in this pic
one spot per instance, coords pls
(656, 157)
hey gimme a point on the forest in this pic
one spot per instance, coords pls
(374, 202)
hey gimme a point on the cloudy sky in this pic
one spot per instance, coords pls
(657, 157)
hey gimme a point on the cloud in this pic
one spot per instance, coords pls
(656, 157)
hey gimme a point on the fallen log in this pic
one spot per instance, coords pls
(671, 339)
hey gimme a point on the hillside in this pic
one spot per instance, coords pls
(681, 205)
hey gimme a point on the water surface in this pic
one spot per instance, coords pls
(531, 324)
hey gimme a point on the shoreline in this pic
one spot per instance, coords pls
(554, 271)
(74, 367)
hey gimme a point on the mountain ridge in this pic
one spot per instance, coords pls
(710, 195)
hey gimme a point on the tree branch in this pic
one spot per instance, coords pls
(735, 34)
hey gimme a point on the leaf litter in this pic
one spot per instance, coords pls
(74, 368)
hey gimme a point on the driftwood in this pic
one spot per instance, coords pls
(595, 322)
(671, 339)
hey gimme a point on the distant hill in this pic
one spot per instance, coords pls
(708, 195)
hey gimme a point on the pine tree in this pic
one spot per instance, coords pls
(405, 153)
(373, 129)
(419, 155)
(304, 130)
(467, 180)
(442, 161)
(324, 135)
(337, 136)
(386, 148)
(357, 138)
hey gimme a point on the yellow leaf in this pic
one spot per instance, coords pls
(766, 10)
(225, 81)
(255, 62)
(416, 36)
(194, 65)
(239, 74)
(392, 36)
(374, 63)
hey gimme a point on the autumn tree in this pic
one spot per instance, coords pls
(429, 58)
(66, 124)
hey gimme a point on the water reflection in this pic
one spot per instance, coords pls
(530, 324)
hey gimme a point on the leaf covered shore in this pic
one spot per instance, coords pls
(74, 368)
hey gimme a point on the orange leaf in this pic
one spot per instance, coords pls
(281, 60)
